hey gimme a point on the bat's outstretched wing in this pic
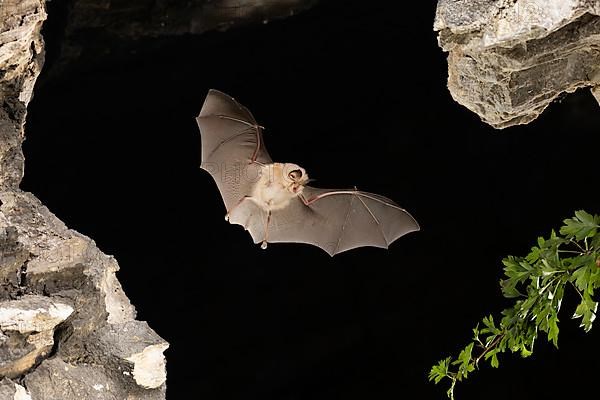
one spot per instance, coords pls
(334, 220)
(232, 146)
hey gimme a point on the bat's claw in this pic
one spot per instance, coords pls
(227, 217)
(263, 245)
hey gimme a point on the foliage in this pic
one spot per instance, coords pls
(537, 283)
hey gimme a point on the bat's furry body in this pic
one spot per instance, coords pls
(277, 185)
(272, 200)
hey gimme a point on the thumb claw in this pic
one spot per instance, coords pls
(263, 245)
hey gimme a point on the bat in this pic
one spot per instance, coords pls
(272, 200)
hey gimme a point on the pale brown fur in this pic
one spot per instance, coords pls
(278, 184)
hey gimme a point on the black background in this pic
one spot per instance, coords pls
(355, 92)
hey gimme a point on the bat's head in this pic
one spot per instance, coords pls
(295, 176)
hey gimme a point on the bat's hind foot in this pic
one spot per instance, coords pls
(264, 244)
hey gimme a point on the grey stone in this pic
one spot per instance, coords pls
(21, 58)
(7, 389)
(12, 260)
(28, 327)
(55, 379)
(65, 269)
(509, 59)
(134, 351)
(10, 390)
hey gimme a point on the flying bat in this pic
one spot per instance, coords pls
(272, 200)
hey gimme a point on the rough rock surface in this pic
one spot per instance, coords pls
(21, 58)
(67, 330)
(509, 59)
(12, 391)
(27, 327)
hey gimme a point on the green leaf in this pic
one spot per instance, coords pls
(596, 242)
(587, 218)
(553, 329)
(537, 283)
(594, 281)
(525, 352)
(586, 310)
(493, 354)
(582, 226)
(464, 362)
(440, 370)
(490, 326)
(541, 241)
(581, 278)
(535, 253)
(465, 355)
(509, 289)
(558, 296)
(494, 361)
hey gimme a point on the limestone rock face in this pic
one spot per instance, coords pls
(21, 58)
(56, 379)
(65, 324)
(509, 59)
(27, 327)
(66, 327)
(13, 391)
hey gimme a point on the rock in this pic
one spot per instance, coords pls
(596, 93)
(7, 389)
(21, 58)
(149, 366)
(508, 60)
(21, 393)
(56, 379)
(10, 390)
(27, 326)
(59, 295)
(12, 258)
(137, 353)
(67, 291)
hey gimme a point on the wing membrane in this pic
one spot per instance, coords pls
(232, 143)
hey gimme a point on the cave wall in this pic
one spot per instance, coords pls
(509, 60)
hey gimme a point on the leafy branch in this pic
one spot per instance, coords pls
(537, 283)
